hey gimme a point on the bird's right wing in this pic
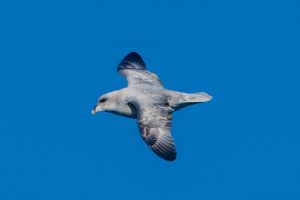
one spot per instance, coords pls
(154, 122)
(134, 69)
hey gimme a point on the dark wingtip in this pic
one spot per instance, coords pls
(170, 158)
(132, 61)
(166, 155)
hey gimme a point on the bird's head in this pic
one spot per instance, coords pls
(106, 102)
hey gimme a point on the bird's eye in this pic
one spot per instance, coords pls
(102, 100)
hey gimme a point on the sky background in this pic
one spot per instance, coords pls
(57, 57)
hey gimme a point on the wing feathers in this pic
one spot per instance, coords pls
(132, 61)
(155, 128)
(134, 69)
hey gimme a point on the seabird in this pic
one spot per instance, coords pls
(146, 100)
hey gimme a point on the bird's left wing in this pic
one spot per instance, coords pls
(154, 122)
(134, 69)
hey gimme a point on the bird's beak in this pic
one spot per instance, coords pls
(96, 109)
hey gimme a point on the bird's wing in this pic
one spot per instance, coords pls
(154, 122)
(134, 69)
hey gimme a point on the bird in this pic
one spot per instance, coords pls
(146, 100)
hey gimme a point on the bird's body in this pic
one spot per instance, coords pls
(146, 99)
(175, 100)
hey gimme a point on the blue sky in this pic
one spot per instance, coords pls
(57, 57)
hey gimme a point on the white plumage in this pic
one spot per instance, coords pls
(146, 99)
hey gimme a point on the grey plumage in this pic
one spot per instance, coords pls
(146, 99)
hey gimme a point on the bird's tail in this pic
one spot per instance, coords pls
(180, 100)
(199, 97)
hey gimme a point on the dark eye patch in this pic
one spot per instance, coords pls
(102, 100)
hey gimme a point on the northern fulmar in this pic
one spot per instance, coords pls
(146, 100)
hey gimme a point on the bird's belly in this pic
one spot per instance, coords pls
(125, 114)
(125, 111)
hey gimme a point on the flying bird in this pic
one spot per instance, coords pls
(146, 100)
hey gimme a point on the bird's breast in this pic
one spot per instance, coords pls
(125, 110)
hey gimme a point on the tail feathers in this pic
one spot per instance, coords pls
(181, 100)
(200, 97)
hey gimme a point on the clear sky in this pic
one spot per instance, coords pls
(57, 57)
